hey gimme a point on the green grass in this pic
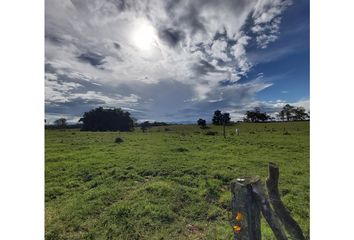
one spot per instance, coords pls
(168, 183)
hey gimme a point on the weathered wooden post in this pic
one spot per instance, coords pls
(268, 213)
(291, 226)
(249, 200)
(245, 210)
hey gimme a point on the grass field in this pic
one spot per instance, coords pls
(167, 183)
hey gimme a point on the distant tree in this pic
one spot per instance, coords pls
(291, 113)
(300, 114)
(256, 116)
(156, 124)
(217, 118)
(201, 123)
(60, 123)
(281, 115)
(251, 116)
(225, 119)
(135, 122)
(145, 125)
(263, 117)
(100, 119)
(288, 111)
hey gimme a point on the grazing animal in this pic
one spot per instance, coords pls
(237, 131)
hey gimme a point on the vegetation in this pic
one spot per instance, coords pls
(221, 118)
(166, 184)
(60, 123)
(256, 116)
(101, 119)
(201, 123)
(145, 125)
(291, 113)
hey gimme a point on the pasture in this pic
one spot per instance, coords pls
(171, 182)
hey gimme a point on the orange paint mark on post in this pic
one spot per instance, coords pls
(237, 228)
(239, 216)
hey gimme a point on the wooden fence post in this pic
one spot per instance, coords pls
(268, 213)
(245, 210)
(290, 224)
(249, 200)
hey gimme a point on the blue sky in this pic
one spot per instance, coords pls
(175, 60)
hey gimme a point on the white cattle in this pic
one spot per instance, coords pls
(237, 131)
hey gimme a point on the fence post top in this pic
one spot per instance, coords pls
(245, 181)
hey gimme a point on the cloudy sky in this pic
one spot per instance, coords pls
(175, 60)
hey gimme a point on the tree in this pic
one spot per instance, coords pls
(263, 117)
(288, 111)
(201, 123)
(292, 113)
(145, 125)
(60, 123)
(217, 118)
(221, 119)
(281, 115)
(256, 116)
(100, 119)
(225, 119)
(300, 114)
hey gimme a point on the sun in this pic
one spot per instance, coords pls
(144, 36)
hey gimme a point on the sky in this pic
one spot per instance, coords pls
(175, 60)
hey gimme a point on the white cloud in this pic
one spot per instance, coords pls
(111, 44)
(270, 107)
(218, 50)
(267, 18)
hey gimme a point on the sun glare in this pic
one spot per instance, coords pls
(144, 36)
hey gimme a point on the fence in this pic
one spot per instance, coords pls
(249, 201)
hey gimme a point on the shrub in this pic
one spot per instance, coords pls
(118, 140)
(180, 149)
(211, 133)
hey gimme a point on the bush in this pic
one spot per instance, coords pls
(118, 140)
(210, 133)
(100, 119)
(180, 149)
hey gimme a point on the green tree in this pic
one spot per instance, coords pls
(201, 123)
(291, 113)
(217, 118)
(256, 116)
(225, 118)
(145, 125)
(282, 115)
(300, 114)
(60, 123)
(100, 119)
(288, 111)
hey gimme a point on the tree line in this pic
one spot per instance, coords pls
(116, 119)
(288, 113)
(106, 119)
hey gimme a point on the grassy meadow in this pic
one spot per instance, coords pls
(171, 182)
